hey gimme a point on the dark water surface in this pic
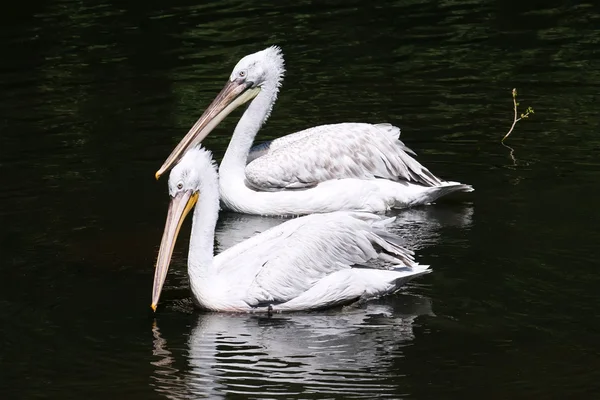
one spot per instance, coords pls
(95, 94)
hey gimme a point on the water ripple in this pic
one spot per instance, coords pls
(344, 352)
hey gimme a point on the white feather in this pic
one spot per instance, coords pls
(348, 150)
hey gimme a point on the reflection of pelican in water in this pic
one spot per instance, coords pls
(350, 166)
(311, 262)
(346, 352)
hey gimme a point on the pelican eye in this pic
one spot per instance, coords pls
(180, 185)
(242, 73)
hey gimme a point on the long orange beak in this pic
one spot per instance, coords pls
(179, 208)
(234, 94)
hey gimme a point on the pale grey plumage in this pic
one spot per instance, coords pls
(287, 260)
(337, 151)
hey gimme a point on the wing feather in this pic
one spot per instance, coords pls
(287, 260)
(348, 150)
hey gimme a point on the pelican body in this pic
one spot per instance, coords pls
(312, 262)
(347, 166)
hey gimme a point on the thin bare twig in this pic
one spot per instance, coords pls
(517, 119)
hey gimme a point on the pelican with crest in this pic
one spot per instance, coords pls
(311, 262)
(345, 166)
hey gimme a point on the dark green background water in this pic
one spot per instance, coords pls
(95, 94)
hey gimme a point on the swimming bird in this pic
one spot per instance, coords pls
(311, 262)
(346, 166)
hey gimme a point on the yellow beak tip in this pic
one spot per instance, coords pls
(153, 307)
(157, 175)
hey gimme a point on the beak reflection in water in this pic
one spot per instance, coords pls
(180, 206)
(234, 94)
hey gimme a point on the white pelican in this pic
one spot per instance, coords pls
(312, 262)
(348, 166)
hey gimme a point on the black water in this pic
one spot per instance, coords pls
(94, 95)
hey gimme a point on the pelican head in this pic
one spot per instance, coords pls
(194, 174)
(254, 73)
